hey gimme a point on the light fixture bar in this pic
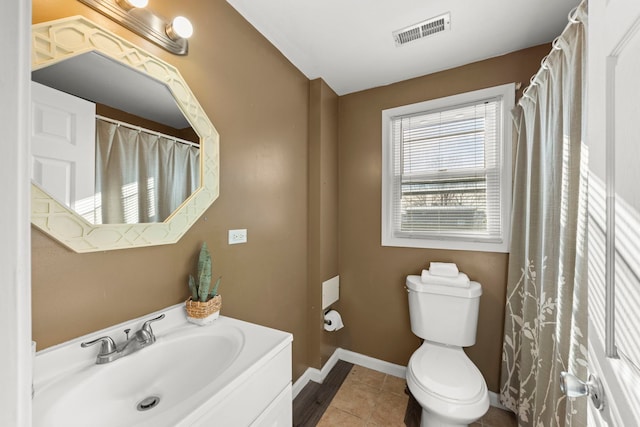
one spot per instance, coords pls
(142, 22)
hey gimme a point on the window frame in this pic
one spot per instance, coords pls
(506, 93)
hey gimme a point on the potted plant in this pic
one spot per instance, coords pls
(203, 306)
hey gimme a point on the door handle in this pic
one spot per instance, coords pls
(572, 386)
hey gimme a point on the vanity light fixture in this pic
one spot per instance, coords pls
(180, 28)
(133, 15)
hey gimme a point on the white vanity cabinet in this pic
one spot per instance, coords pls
(264, 399)
(229, 374)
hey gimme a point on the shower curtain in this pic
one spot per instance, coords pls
(141, 177)
(546, 308)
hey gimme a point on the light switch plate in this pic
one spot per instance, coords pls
(237, 236)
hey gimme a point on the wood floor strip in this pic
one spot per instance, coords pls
(315, 398)
(413, 413)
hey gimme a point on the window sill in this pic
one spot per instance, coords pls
(454, 245)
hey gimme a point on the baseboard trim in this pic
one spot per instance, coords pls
(319, 375)
(303, 380)
(372, 363)
(494, 399)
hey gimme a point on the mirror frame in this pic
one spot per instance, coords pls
(55, 41)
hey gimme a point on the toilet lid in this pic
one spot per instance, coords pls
(447, 372)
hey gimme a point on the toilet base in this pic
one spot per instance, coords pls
(428, 419)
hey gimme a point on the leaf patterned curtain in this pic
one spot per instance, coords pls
(546, 310)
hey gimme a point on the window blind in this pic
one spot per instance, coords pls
(446, 169)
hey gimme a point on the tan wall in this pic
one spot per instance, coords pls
(258, 102)
(373, 299)
(323, 212)
(279, 175)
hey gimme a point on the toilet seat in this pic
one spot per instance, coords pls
(447, 372)
(445, 381)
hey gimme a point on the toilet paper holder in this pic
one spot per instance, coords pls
(332, 321)
(326, 321)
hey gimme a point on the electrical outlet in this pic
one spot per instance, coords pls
(237, 236)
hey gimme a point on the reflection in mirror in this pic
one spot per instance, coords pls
(57, 42)
(141, 176)
(114, 146)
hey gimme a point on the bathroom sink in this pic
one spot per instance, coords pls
(161, 385)
(173, 369)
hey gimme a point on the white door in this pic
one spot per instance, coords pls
(613, 136)
(63, 145)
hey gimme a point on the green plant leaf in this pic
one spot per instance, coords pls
(202, 260)
(204, 293)
(204, 273)
(193, 288)
(214, 291)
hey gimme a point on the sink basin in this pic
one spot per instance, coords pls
(173, 369)
(162, 384)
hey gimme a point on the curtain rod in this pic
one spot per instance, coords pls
(153, 132)
(573, 19)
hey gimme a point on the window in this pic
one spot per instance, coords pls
(446, 180)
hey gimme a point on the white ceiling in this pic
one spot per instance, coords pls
(349, 43)
(102, 80)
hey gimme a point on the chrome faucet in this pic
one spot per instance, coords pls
(109, 351)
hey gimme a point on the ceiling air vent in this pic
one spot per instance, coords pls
(422, 29)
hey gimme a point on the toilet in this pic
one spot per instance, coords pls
(443, 380)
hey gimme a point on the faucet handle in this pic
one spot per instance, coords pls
(108, 346)
(146, 326)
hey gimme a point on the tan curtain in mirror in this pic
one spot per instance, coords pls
(141, 177)
(546, 309)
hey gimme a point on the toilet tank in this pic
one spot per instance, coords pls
(444, 314)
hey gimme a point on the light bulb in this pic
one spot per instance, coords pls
(131, 4)
(180, 27)
(138, 3)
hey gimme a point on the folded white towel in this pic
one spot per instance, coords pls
(460, 281)
(446, 269)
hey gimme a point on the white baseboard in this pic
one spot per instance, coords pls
(303, 380)
(372, 363)
(315, 375)
(494, 399)
(318, 375)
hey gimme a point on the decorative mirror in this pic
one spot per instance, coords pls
(63, 46)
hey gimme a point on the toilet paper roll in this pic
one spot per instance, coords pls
(332, 321)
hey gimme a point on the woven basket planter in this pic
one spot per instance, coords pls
(203, 313)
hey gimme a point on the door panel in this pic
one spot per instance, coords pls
(63, 144)
(627, 203)
(613, 136)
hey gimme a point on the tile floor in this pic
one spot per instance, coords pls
(367, 398)
(372, 398)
